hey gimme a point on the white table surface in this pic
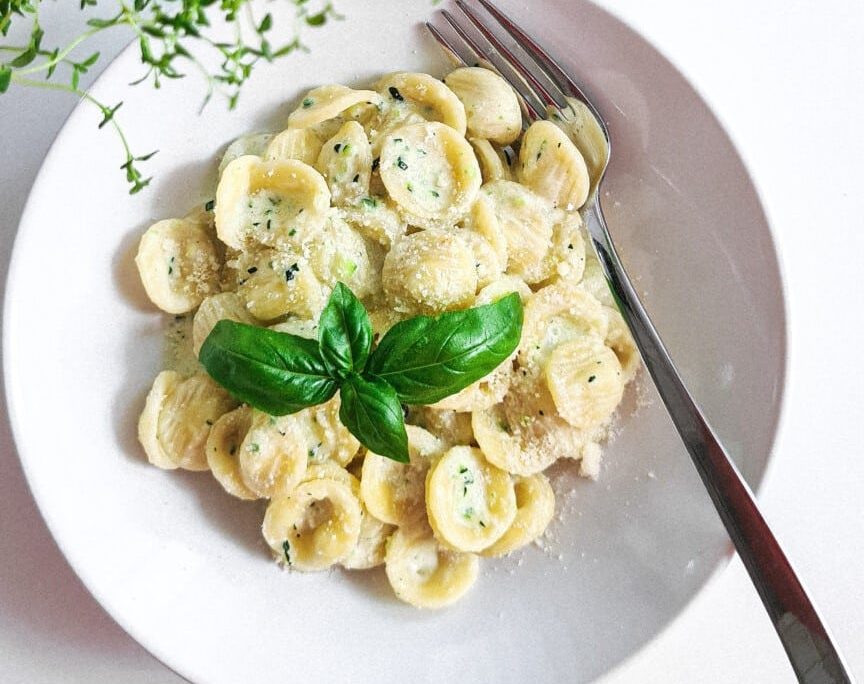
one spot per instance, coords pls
(757, 64)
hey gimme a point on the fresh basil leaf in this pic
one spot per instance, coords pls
(344, 333)
(428, 358)
(275, 372)
(372, 413)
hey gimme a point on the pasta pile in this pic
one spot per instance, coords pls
(422, 196)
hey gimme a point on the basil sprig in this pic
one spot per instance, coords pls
(419, 361)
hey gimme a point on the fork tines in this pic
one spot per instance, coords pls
(494, 38)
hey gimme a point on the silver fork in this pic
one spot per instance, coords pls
(542, 84)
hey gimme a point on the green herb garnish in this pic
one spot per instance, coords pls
(172, 36)
(418, 361)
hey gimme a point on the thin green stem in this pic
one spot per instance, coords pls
(42, 66)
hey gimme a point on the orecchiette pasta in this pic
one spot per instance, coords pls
(393, 492)
(189, 410)
(535, 506)
(585, 132)
(345, 161)
(425, 574)
(375, 219)
(178, 264)
(430, 271)
(223, 451)
(422, 196)
(328, 102)
(279, 203)
(491, 107)
(430, 171)
(471, 502)
(451, 427)
(434, 100)
(555, 314)
(584, 377)
(256, 143)
(279, 283)
(273, 454)
(342, 255)
(552, 166)
(314, 526)
(148, 423)
(493, 163)
(525, 220)
(369, 550)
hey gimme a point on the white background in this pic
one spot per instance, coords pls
(786, 78)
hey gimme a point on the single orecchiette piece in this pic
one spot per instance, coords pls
(314, 526)
(491, 107)
(585, 380)
(470, 502)
(345, 161)
(273, 454)
(280, 203)
(425, 574)
(275, 284)
(392, 491)
(552, 166)
(375, 219)
(327, 102)
(256, 143)
(430, 271)
(294, 143)
(223, 451)
(219, 307)
(148, 423)
(434, 100)
(178, 264)
(556, 314)
(525, 220)
(535, 506)
(493, 164)
(340, 255)
(430, 171)
(189, 409)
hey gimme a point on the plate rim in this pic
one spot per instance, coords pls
(127, 53)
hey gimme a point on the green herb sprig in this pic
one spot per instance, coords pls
(418, 361)
(171, 35)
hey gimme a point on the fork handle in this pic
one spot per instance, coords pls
(808, 645)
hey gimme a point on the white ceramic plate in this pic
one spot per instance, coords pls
(180, 565)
